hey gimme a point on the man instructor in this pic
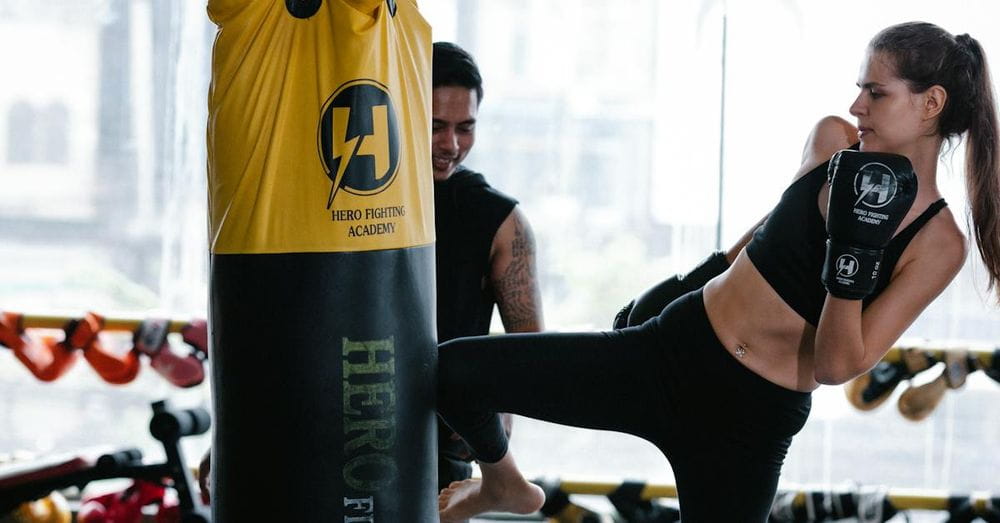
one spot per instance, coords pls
(485, 246)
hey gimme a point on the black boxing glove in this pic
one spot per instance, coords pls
(870, 193)
(651, 302)
(621, 317)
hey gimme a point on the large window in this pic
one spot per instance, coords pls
(606, 119)
(37, 134)
(102, 154)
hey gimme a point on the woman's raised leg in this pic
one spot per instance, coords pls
(601, 380)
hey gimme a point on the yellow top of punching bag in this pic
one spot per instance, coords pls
(319, 127)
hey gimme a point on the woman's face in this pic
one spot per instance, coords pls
(890, 118)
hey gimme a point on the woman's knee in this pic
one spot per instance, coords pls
(456, 368)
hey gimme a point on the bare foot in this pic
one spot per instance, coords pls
(502, 489)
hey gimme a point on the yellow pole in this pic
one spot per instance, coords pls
(901, 498)
(39, 321)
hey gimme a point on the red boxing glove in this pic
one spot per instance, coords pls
(151, 340)
(112, 368)
(47, 359)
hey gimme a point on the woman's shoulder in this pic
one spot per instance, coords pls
(829, 135)
(949, 233)
(941, 243)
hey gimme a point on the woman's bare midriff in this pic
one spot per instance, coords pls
(759, 329)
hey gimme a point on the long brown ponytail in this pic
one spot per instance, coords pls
(982, 179)
(926, 55)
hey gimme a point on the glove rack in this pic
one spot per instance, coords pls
(48, 358)
(39, 321)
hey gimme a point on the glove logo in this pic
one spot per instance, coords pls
(359, 139)
(847, 266)
(875, 185)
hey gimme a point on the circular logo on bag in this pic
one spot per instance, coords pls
(359, 139)
(847, 266)
(875, 185)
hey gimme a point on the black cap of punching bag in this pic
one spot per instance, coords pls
(303, 8)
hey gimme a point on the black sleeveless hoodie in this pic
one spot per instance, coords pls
(468, 213)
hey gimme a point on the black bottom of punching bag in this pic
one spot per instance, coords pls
(323, 379)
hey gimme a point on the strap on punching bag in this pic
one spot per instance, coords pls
(303, 8)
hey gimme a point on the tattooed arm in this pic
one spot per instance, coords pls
(514, 276)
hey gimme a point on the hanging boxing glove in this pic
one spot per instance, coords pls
(872, 388)
(46, 358)
(151, 339)
(918, 402)
(116, 369)
(195, 334)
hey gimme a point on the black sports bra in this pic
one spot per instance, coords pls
(790, 248)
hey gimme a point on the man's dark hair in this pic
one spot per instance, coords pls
(453, 66)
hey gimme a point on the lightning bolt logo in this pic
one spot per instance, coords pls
(344, 150)
(865, 189)
(884, 189)
(359, 142)
(847, 265)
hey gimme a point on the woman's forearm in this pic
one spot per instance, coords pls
(840, 352)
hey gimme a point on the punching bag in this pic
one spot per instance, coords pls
(322, 262)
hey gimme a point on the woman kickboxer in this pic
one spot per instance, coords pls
(859, 244)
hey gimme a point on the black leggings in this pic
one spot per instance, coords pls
(724, 429)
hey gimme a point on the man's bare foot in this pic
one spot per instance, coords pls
(502, 489)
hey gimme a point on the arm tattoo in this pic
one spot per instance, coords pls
(517, 288)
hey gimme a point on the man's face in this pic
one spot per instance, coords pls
(454, 128)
